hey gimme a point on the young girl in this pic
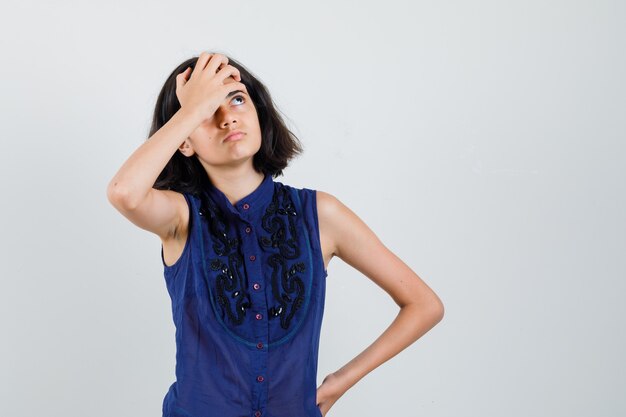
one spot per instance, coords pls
(245, 257)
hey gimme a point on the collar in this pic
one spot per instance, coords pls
(253, 203)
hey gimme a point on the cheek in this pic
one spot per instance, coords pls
(254, 144)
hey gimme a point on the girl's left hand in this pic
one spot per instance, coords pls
(329, 392)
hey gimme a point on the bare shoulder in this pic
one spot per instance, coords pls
(327, 205)
(329, 208)
(335, 219)
(348, 236)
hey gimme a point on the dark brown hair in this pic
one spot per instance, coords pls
(278, 144)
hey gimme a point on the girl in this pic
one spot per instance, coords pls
(245, 257)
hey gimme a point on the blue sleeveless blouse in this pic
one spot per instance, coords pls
(247, 302)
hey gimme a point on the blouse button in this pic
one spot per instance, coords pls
(248, 230)
(252, 257)
(257, 413)
(259, 316)
(246, 206)
(260, 378)
(259, 345)
(256, 286)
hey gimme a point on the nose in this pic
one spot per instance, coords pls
(226, 117)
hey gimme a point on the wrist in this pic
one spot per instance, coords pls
(345, 378)
(189, 115)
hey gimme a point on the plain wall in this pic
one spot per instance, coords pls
(483, 142)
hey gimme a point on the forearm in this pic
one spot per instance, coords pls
(410, 324)
(135, 178)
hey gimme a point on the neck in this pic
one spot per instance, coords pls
(236, 185)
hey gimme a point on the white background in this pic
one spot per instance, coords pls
(482, 141)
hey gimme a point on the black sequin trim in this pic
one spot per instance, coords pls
(287, 287)
(231, 282)
(280, 221)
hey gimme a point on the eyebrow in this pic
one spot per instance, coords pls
(232, 93)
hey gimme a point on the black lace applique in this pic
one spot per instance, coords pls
(231, 281)
(287, 286)
(288, 289)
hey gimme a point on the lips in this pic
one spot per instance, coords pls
(234, 135)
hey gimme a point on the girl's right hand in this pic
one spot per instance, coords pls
(205, 90)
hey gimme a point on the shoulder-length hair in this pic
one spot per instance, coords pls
(278, 144)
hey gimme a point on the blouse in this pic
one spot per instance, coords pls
(247, 296)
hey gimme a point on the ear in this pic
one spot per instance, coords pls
(186, 149)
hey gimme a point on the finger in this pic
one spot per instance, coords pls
(216, 61)
(236, 74)
(228, 71)
(201, 63)
(183, 77)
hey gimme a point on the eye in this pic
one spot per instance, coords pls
(241, 97)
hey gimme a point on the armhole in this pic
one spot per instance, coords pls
(317, 230)
(187, 240)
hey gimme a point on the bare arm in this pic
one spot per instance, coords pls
(135, 178)
(130, 191)
(420, 308)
